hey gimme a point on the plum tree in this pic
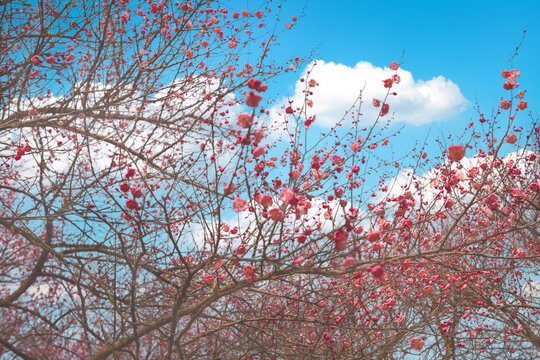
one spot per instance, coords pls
(148, 213)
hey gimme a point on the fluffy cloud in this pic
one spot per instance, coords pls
(418, 102)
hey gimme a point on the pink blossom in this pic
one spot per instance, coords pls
(377, 272)
(276, 214)
(253, 83)
(394, 65)
(132, 204)
(136, 192)
(516, 192)
(259, 14)
(511, 138)
(253, 99)
(265, 201)
(376, 102)
(384, 110)
(355, 146)
(287, 196)
(449, 203)
(241, 249)
(209, 279)
(456, 152)
(130, 173)
(248, 270)
(229, 187)
(341, 237)
(235, 15)
(522, 105)
(505, 104)
(244, 120)
(374, 235)
(259, 135)
(417, 343)
(36, 60)
(388, 83)
(239, 205)
(258, 151)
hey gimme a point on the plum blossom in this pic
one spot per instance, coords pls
(253, 99)
(417, 343)
(456, 152)
(239, 205)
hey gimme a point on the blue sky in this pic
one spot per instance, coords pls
(466, 42)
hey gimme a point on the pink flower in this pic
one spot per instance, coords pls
(428, 290)
(396, 78)
(388, 83)
(241, 249)
(229, 187)
(265, 201)
(235, 15)
(253, 83)
(516, 192)
(136, 192)
(244, 120)
(50, 60)
(493, 200)
(258, 151)
(456, 152)
(259, 135)
(417, 343)
(341, 238)
(384, 109)
(394, 65)
(374, 235)
(505, 104)
(132, 204)
(511, 138)
(336, 160)
(522, 105)
(130, 173)
(245, 13)
(287, 196)
(189, 53)
(377, 272)
(259, 14)
(209, 279)
(355, 146)
(276, 214)
(449, 203)
(36, 60)
(239, 205)
(376, 102)
(253, 99)
(248, 270)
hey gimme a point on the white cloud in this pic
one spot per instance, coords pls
(418, 102)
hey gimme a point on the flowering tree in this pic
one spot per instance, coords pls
(147, 212)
